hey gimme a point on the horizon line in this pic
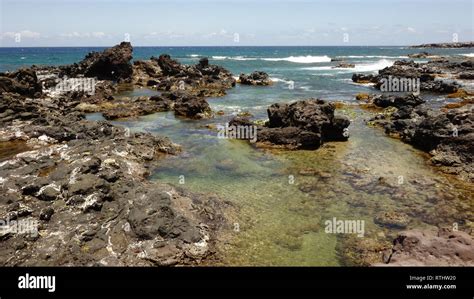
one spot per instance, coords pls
(236, 46)
(209, 46)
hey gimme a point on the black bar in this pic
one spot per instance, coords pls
(105, 282)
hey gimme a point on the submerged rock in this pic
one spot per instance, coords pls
(366, 251)
(392, 219)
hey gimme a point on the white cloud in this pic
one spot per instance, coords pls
(98, 34)
(411, 29)
(76, 34)
(22, 34)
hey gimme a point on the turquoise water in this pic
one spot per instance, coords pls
(307, 69)
(280, 209)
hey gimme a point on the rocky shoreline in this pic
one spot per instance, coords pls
(81, 185)
(85, 182)
(447, 134)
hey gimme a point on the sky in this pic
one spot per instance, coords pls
(35, 23)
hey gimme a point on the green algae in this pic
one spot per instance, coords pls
(284, 197)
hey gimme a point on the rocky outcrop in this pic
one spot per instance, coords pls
(170, 67)
(364, 78)
(386, 100)
(446, 45)
(131, 107)
(255, 78)
(431, 75)
(191, 106)
(202, 79)
(111, 64)
(467, 75)
(345, 65)
(300, 125)
(23, 82)
(185, 87)
(431, 248)
(419, 55)
(146, 72)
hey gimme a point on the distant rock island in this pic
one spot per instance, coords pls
(446, 45)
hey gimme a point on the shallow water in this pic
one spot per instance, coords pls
(282, 210)
(8, 149)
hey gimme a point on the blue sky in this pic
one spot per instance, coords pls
(233, 22)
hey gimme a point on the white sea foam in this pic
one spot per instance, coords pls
(323, 74)
(374, 56)
(302, 59)
(372, 67)
(468, 54)
(240, 58)
(243, 58)
(295, 59)
(274, 79)
(363, 67)
(319, 68)
(194, 55)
